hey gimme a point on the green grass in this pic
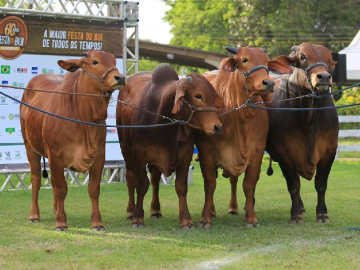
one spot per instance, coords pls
(228, 244)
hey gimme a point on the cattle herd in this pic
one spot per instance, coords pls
(213, 111)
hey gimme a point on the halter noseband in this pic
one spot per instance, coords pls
(247, 73)
(101, 80)
(306, 70)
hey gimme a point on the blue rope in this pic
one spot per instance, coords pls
(85, 123)
(338, 91)
(251, 104)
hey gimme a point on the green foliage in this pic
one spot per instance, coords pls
(2, 3)
(348, 97)
(274, 25)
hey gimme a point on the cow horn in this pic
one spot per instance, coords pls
(189, 79)
(295, 48)
(231, 49)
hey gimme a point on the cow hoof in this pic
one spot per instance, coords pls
(205, 225)
(61, 229)
(233, 213)
(156, 216)
(188, 227)
(138, 224)
(252, 225)
(296, 221)
(323, 219)
(98, 228)
(34, 220)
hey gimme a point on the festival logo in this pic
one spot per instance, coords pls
(13, 37)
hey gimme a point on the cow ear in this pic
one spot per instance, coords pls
(230, 64)
(332, 65)
(180, 93)
(219, 102)
(70, 65)
(288, 60)
(277, 66)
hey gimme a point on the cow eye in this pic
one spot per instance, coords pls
(303, 57)
(95, 62)
(244, 60)
(198, 96)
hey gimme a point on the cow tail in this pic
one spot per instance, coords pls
(44, 172)
(270, 170)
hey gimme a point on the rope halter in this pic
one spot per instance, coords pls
(306, 71)
(194, 109)
(247, 73)
(102, 79)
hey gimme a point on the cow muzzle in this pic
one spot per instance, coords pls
(268, 86)
(120, 81)
(321, 81)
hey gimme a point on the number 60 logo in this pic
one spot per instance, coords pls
(13, 30)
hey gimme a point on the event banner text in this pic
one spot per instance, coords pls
(64, 38)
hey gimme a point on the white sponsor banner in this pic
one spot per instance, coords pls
(18, 72)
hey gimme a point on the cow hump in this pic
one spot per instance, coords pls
(164, 73)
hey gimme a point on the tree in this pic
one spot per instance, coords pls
(275, 25)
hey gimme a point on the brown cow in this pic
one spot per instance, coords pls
(303, 142)
(66, 144)
(169, 148)
(240, 146)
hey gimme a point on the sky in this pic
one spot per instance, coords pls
(151, 24)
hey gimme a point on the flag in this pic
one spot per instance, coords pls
(5, 69)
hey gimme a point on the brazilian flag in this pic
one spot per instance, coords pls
(5, 69)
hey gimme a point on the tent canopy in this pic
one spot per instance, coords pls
(352, 53)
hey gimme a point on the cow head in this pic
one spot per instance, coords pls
(98, 65)
(196, 100)
(316, 61)
(252, 64)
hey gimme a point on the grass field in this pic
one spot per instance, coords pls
(228, 244)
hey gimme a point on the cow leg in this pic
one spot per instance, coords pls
(130, 181)
(181, 186)
(142, 186)
(321, 180)
(209, 173)
(60, 191)
(155, 202)
(293, 184)
(95, 172)
(252, 174)
(35, 168)
(130, 178)
(233, 205)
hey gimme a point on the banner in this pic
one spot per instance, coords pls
(52, 36)
(29, 47)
